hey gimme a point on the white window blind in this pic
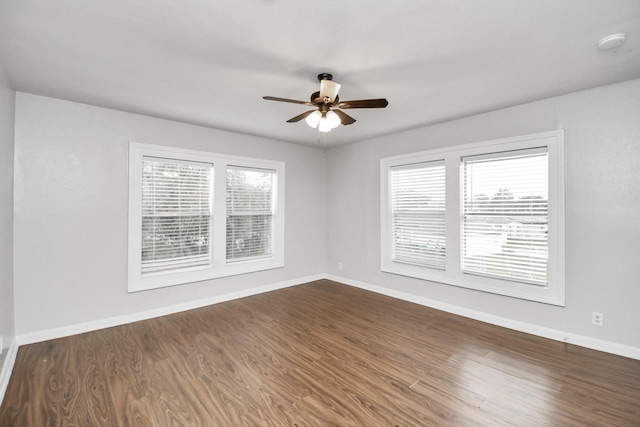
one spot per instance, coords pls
(180, 228)
(250, 213)
(505, 215)
(418, 214)
(503, 220)
(176, 215)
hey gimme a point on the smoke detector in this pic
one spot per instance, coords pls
(611, 42)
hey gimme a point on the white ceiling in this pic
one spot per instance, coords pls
(209, 62)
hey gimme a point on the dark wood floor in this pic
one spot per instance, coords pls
(320, 354)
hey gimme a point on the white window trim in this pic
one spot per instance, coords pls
(219, 266)
(554, 292)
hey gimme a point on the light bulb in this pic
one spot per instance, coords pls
(324, 125)
(333, 119)
(314, 118)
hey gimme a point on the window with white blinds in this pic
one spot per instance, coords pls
(197, 216)
(418, 214)
(505, 215)
(487, 216)
(176, 213)
(250, 213)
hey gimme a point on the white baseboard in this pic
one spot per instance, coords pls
(65, 331)
(7, 367)
(541, 331)
(554, 334)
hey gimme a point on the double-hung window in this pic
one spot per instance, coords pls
(418, 214)
(197, 215)
(176, 214)
(505, 215)
(486, 216)
(250, 213)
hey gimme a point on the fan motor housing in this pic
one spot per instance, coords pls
(315, 98)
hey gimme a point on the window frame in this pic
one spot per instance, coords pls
(219, 266)
(554, 291)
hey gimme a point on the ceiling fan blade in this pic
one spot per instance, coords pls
(364, 103)
(300, 116)
(329, 88)
(293, 101)
(344, 117)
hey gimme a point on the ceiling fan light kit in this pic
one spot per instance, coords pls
(313, 119)
(328, 114)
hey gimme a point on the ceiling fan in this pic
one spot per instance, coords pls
(327, 114)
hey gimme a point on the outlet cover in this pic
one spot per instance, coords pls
(597, 318)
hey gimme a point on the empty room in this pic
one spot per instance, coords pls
(336, 213)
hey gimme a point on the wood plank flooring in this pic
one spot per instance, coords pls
(319, 354)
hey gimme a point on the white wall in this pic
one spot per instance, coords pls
(7, 113)
(70, 234)
(602, 135)
(71, 212)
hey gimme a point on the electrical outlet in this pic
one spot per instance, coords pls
(597, 318)
(339, 266)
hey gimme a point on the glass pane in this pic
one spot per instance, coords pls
(176, 199)
(250, 213)
(506, 216)
(249, 236)
(418, 214)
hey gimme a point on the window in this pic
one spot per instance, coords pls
(505, 215)
(196, 216)
(250, 213)
(176, 213)
(418, 214)
(486, 216)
